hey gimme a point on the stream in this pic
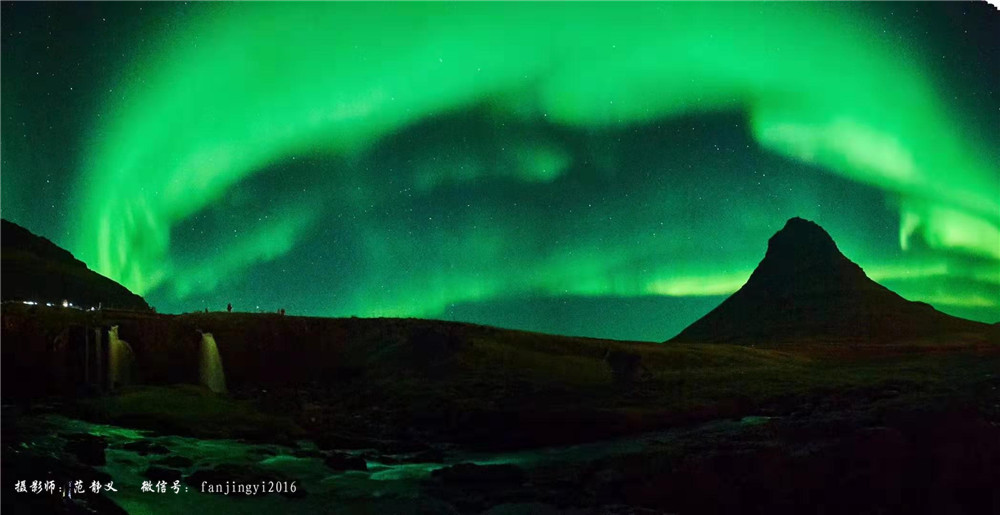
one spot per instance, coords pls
(387, 485)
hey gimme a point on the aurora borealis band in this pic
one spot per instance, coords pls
(597, 169)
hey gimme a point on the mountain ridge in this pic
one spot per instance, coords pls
(37, 270)
(805, 289)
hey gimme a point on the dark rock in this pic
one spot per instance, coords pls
(98, 504)
(472, 473)
(299, 492)
(308, 453)
(162, 473)
(474, 488)
(401, 446)
(264, 451)
(605, 485)
(428, 456)
(145, 447)
(523, 508)
(232, 472)
(343, 441)
(174, 461)
(384, 459)
(343, 461)
(422, 505)
(87, 448)
(90, 504)
(379, 457)
(282, 401)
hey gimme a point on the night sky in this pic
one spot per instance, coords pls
(610, 170)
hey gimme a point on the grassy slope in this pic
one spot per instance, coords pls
(485, 386)
(188, 410)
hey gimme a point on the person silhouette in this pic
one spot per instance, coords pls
(229, 307)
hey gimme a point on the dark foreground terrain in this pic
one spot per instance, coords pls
(415, 416)
(810, 390)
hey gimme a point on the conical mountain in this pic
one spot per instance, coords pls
(806, 290)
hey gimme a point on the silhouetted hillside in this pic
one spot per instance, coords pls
(806, 290)
(35, 269)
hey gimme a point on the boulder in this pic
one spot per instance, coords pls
(87, 448)
(343, 461)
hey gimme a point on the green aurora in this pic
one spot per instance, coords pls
(382, 159)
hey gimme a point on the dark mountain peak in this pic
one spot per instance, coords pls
(806, 290)
(803, 260)
(35, 269)
(15, 238)
(801, 239)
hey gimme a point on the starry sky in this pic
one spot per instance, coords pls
(607, 170)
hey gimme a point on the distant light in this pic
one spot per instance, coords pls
(30, 302)
(65, 303)
(49, 304)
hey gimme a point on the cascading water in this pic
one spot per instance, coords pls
(210, 365)
(121, 360)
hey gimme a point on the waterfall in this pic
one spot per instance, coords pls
(210, 365)
(121, 360)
